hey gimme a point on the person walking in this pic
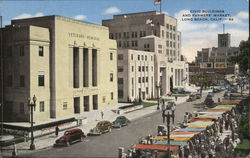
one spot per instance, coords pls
(163, 116)
(176, 97)
(57, 131)
(102, 115)
(173, 111)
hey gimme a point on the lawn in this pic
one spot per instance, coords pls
(179, 95)
(147, 104)
(155, 99)
(245, 145)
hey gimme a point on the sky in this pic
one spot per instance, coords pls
(195, 34)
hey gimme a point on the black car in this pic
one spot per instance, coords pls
(209, 102)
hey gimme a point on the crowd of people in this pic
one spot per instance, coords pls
(217, 141)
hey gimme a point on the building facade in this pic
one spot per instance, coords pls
(69, 65)
(147, 33)
(215, 60)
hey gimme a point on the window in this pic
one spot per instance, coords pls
(21, 50)
(120, 56)
(146, 58)
(146, 79)
(174, 28)
(162, 33)
(167, 34)
(41, 53)
(65, 105)
(120, 80)
(139, 79)
(9, 51)
(139, 68)
(111, 77)
(132, 68)
(142, 57)
(21, 108)
(112, 95)
(143, 68)
(172, 69)
(120, 93)
(138, 57)
(111, 56)
(143, 79)
(41, 105)
(132, 57)
(41, 77)
(111, 36)
(120, 69)
(147, 68)
(167, 26)
(103, 99)
(22, 81)
(9, 81)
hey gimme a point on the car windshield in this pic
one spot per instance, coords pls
(67, 133)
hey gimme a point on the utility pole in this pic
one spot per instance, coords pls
(1, 64)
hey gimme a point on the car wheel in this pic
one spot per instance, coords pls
(67, 143)
(81, 139)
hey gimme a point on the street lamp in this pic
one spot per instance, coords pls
(158, 86)
(168, 116)
(31, 106)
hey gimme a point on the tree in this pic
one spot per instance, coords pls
(243, 58)
(202, 80)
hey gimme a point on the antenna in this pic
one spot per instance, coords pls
(223, 28)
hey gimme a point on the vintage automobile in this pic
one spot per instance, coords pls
(192, 97)
(162, 130)
(69, 137)
(170, 104)
(198, 96)
(120, 121)
(209, 102)
(101, 127)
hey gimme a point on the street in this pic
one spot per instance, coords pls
(107, 144)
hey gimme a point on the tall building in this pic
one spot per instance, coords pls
(152, 34)
(69, 65)
(215, 60)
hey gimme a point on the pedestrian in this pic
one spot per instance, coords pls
(185, 118)
(173, 116)
(57, 131)
(176, 97)
(102, 114)
(163, 116)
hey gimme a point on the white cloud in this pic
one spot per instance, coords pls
(238, 19)
(26, 15)
(80, 17)
(243, 15)
(196, 36)
(112, 10)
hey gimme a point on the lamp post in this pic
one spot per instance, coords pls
(32, 106)
(158, 98)
(168, 116)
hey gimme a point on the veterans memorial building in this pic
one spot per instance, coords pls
(70, 66)
(149, 54)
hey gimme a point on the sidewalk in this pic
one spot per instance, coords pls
(93, 118)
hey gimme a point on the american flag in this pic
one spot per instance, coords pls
(157, 2)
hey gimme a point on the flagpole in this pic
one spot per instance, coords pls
(160, 5)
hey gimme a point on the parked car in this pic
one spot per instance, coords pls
(209, 102)
(192, 97)
(210, 94)
(198, 96)
(69, 137)
(120, 121)
(162, 130)
(170, 104)
(101, 127)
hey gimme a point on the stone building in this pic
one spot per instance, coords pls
(69, 65)
(151, 33)
(215, 60)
